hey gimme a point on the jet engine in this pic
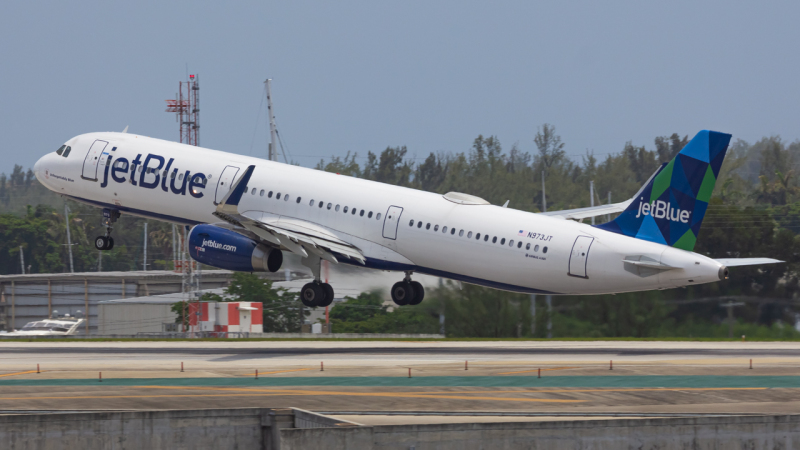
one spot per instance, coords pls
(226, 249)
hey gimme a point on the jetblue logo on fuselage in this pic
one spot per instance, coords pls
(660, 209)
(149, 175)
(217, 245)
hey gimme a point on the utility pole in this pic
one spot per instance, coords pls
(533, 315)
(144, 261)
(730, 305)
(544, 199)
(591, 196)
(549, 299)
(273, 150)
(22, 259)
(69, 239)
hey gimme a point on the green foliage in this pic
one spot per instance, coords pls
(367, 314)
(283, 311)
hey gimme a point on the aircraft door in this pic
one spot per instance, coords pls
(92, 159)
(391, 221)
(579, 256)
(224, 182)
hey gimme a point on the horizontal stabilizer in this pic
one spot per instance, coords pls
(733, 262)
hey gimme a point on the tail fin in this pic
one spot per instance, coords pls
(670, 208)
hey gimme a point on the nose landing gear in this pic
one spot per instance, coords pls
(408, 292)
(106, 242)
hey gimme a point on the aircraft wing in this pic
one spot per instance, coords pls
(594, 211)
(297, 236)
(733, 262)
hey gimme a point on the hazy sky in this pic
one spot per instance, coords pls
(361, 75)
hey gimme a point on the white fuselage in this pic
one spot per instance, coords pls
(551, 258)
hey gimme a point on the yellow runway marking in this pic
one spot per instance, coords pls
(18, 373)
(534, 370)
(277, 371)
(300, 392)
(559, 391)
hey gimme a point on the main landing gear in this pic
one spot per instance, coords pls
(107, 242)
(315, 293)
(407, 292)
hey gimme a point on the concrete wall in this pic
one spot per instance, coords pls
(288, 429)
(132, 318)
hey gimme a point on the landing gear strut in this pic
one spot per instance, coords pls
(315, 293)
(106, 242)
(408, 292)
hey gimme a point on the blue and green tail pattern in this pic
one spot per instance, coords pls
(670, 209)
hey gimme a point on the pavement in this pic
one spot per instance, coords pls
(368, 381)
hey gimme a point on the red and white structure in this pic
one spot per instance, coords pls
(227, 317)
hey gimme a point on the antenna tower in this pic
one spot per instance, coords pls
(186, 107)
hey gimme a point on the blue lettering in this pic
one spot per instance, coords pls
(182, 190)
(121, 166)
(198, 180)
(146, 170)
(135, 163)
(105, 173)
(164, 179)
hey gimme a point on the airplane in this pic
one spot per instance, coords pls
(244, 213)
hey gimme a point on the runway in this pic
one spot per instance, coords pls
(435, 377)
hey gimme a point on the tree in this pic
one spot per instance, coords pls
(551, 149)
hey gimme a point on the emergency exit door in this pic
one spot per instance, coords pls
(579, 256)
(391, 221)
(224, 182)
(92, 159)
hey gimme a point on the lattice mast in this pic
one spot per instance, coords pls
(186, 107)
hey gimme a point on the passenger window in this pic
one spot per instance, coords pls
(444, 229)
(66, 152)
(461, 233)
(320, 204)
(469, 235)
(286, 197)
(544, 250)
(536, 248)
(171, 176)
(254, 192)
(528, 246)
(369, 216)
(180, 177)
(345, 210)
(378, 217)
(511, 243)
(477, 236)
(486, 238)
(362, 213)
(503, 241)
(411, 223)
(262, 192)
(298, 200)
(452, 232)
(519, 244)
(60, 150)
(311, 203)
(337, 208)
(329, 205)
(419, 224)
(355, 210)
(436, 228)
(494, 240)
(428, 226)
(277, 196)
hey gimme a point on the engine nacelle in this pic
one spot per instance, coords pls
(226, 249)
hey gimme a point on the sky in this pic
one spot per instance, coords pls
(358, 76)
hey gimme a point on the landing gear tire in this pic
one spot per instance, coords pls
(328, 289)
(101, 242)
(110, 244)
(312, 294)
(419, 293)
(403, 293)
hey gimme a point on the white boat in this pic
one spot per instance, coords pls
(63, 326)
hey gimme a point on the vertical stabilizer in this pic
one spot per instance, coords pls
(670, 209)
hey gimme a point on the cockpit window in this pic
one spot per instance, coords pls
(60, 150)
(66, 151)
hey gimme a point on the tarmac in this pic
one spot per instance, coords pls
(380, 382)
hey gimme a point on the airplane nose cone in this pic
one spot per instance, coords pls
(39, 168)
